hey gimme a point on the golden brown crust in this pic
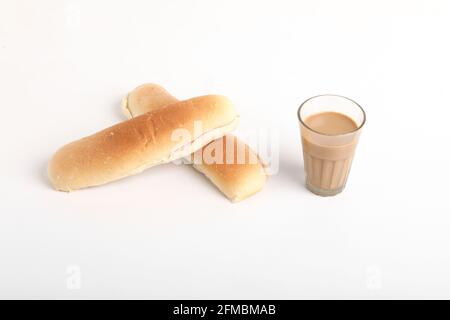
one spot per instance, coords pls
(134, 145)
(236, 169)
(237, 180)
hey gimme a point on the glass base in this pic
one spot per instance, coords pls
(324, 192)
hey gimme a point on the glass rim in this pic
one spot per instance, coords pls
(337, 96)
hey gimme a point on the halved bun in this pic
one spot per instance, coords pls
(238, 173)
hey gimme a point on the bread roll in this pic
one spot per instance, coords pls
(145, 98)
(236, 179)
(130, 147)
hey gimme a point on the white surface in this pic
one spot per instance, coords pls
(167, 233)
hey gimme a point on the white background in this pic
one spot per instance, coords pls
(167, 233)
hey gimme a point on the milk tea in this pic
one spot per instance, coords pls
(327, 165)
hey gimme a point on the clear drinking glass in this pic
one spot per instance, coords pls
(328, 156)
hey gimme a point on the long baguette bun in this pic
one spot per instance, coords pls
(142, 142)
(236, 179)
